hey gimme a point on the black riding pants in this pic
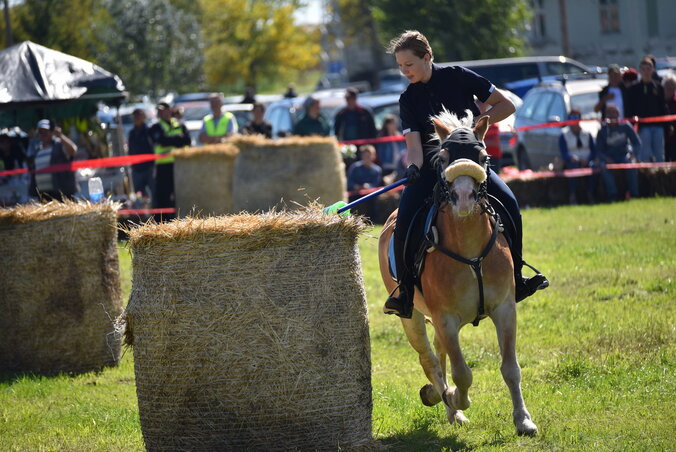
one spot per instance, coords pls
(414, 196)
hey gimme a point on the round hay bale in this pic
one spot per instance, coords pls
(291, 170)
(203, 179)
(60, 288)
(250, 333)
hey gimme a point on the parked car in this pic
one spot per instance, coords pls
(551, 102)
(501, 137)
(194, 113)
(520, 74)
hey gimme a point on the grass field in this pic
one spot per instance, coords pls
(597, 350)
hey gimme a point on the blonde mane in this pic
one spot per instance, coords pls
(452, 121)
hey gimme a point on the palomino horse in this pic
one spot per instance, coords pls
(453, 289)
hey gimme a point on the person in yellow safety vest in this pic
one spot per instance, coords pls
(166, 134)
(219, 124)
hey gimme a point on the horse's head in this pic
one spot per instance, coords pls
(462, 160)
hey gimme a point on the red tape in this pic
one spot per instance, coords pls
(106, 162)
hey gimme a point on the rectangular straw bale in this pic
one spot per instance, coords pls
(250, 332)
(295, 170)
(60, 288)
(203, 179)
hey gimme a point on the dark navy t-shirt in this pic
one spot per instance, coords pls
(453, 87)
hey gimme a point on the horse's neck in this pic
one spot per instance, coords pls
(465, 236)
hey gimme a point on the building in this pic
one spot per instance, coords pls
(601, 32)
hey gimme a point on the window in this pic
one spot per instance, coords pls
(585, 103)
(610, 17)
(538, 24)
(529, 103)
(557, 108)
(501, 74)
(542, 107)
(557, 68)
(653, 19)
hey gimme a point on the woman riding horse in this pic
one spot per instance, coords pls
(432, 89)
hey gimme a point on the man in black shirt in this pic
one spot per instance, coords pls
(139, 142)
(258, 126)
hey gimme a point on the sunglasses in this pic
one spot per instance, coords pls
(574, 116)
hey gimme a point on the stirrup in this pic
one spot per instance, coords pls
(400, 305)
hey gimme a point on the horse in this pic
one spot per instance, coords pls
(468, 271)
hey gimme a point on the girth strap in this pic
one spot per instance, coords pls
(475, 263)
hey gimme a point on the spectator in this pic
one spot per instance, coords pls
(612, 146)
(353, 122)
(364, 174)
(166, 135)
(312, 122)
(577, 151)
(258, 125)
(219, 125)
(13, 189)
(669, 85)
(646, 99)
(12, 155)
(613, 93)
(290, 91)
(655, 75)
(629, 78)
(178, 113)
(50, 148)
(249, 95)
(139, 142)
(389, 153)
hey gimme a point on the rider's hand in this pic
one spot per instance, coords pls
(412, 173)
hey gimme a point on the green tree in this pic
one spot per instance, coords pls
(252, 40)
(153, 46)
(458, 29)
(63, 25)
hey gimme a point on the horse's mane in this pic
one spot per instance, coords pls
(452, 121)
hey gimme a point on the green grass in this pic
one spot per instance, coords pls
(597, 350)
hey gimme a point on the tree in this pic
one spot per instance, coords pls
(153, 46)
(458, 29)
(251, 40)
(62, 25)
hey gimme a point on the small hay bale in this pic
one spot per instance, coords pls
(60, 288)
(294, 170)
(250, 332)
(203, 179)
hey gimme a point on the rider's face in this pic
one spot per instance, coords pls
(414, 68)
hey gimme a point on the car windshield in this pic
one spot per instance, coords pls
(196, 113)
(585, 103)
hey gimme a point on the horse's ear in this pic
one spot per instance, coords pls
(481, 128)
(441, 129)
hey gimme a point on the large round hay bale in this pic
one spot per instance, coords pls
(203, 179)
(250, 333)
(60, 288)
(291, 170)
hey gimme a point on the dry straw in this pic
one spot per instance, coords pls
(203, 179)
(289, 170)
(60, 287)
(250, 332)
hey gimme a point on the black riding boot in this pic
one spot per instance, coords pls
(525, 287)
(402, 304)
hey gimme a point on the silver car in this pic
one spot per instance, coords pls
(551, 102)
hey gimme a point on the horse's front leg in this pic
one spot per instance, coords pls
(504, 318)
(447, 327)
(417, 337)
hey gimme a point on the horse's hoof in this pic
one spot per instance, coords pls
(527, 427)
(429, 396)
(459, 418)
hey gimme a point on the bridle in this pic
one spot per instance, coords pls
(442, 195)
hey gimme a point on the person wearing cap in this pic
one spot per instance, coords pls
(51, 147)
(577, 150)
(432, 89)
(167, 134)
(612, 93)
(646, 99)
(312, 122)
(353, 122)
(629, 78)
(218, 125)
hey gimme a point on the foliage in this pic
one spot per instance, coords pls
(63, 25)
(458, 29)
(151, 45)
(255, 39)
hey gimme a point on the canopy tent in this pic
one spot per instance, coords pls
(38, 82)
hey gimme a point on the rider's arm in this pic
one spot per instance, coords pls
(414, 148)
(501, 107)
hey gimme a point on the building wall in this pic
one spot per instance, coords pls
(643, 26)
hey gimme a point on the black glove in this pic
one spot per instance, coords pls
(413, 174)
